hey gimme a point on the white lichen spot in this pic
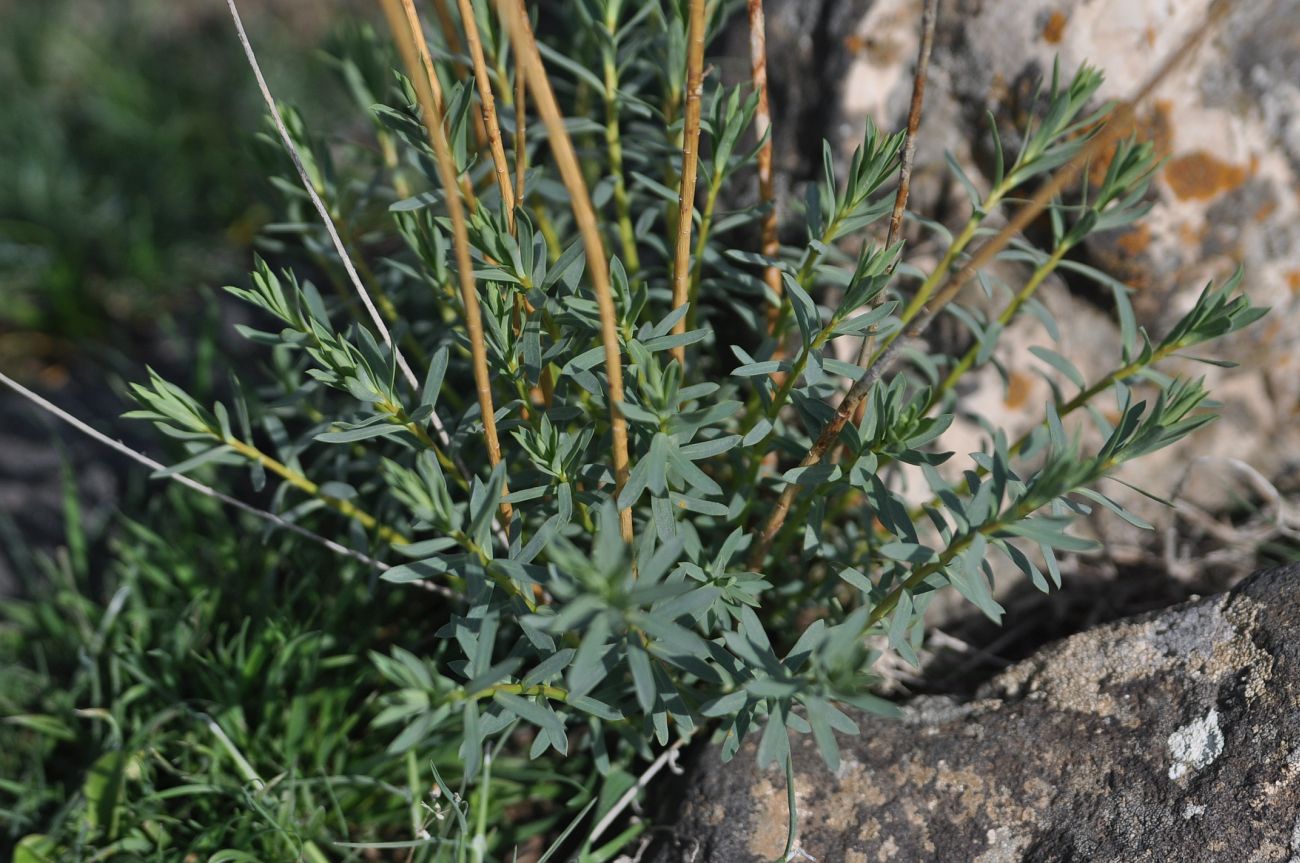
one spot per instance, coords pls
(1191, 810)
(1005, 846)
(1295, 841)
(1195, 745)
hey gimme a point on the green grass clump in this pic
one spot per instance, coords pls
(196, 695)
(127, 179)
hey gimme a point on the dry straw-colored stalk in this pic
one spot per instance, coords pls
(489, 111)
(447, 176)
(770, 239)
(428, 89)
(690, 164)
(447, 23)
(521, 141)
(321, 210)
(529, 62)
(339, 247)
(1118, 124)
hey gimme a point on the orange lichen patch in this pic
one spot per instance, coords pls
(1265, 210)
(1150, 35)
(1019, 386)
(1271, 332)
(1199, 176)
(1293, 282)
(1055, 27)
(880, 52)
(1136, 241)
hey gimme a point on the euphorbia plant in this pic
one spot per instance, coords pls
(637, 540)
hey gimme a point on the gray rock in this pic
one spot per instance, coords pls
(808, 61)
(1173, 736)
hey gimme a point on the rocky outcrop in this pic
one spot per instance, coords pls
(1174, 736)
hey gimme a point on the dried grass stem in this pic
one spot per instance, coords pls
(529, 62)
(690, 164)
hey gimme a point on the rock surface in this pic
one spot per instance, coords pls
(1173, 736)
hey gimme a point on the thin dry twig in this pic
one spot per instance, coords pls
(529, 60)
(206, 490)
(434, 421)
(1119, 123)
(446, 165)
(488, 106)
(323, 212)
(667, 757)
(521, 124)
(1274, 519)
(770, 238)
(690, 165)
(929, 17)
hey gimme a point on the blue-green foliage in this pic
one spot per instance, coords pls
(554, 622)
(561, 625)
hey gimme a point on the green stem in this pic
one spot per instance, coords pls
(614, 143)
(792, 808)
(398, 414)
(346, 508)
(697, 270)
(413, 783)
(311, 489)
(1035, 280)
(925, 293)
(552, 693)
(1064, 410)
(478, 846)
(1019, 512)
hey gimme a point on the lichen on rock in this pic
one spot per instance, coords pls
(1171, 736)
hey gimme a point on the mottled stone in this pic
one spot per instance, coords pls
(1173, 736)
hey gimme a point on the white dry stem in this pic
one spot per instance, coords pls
(269, 517)
(1282, 521)
(296, 157)
(667, 757)
(443, 438)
